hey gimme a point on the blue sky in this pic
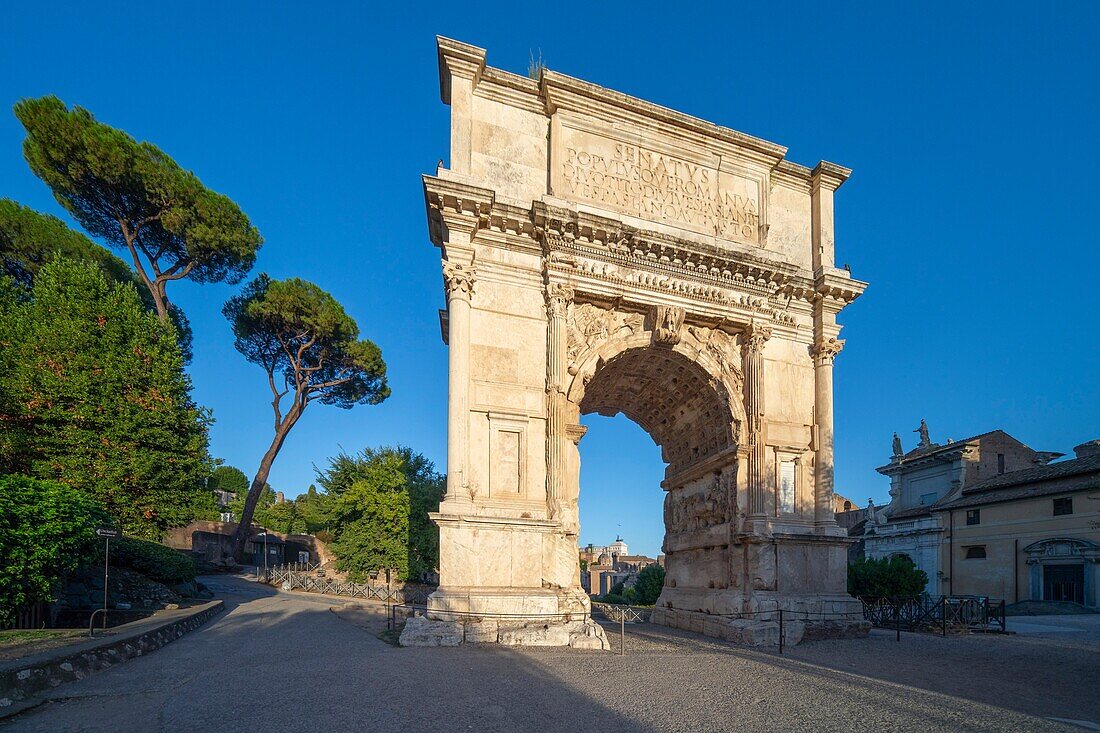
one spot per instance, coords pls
(971, 130)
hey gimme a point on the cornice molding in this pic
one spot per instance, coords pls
(457, 59)
(829, 176)
(565, 92)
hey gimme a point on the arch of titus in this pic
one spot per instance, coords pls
(604, 254)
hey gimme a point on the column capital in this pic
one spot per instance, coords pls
(459, 280)
(754, 336)
(559, 296)
(824, 350)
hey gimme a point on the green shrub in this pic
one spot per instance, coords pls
(46, 528)
(154, 561)
(892, 576)
(650, 582)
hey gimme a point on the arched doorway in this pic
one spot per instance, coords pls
(690, 414)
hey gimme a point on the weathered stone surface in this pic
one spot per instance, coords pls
(602, 254)
(421, 631)
(836, 629)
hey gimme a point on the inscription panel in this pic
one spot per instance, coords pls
(656, 185)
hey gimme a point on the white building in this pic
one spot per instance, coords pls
(928, 476)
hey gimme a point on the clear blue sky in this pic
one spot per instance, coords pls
(972, 132)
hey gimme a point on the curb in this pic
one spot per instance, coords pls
(21, 679)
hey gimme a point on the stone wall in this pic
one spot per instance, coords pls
(21, 679)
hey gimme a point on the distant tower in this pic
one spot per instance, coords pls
(618, 547)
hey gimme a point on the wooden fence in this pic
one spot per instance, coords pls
(306, 578)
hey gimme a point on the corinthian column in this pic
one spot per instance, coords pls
(823, 352)
(753, 339)
(459, 280)
(558, 298)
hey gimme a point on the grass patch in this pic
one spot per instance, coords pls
(392, 636)
(21, 636)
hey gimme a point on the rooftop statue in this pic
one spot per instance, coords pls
(923, 430)
(897, 446)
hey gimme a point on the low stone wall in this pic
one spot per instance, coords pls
(20, 679)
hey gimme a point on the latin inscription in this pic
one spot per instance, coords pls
(659, 187)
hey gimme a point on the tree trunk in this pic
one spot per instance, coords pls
(240, 537)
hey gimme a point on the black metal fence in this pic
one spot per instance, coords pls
(936, 614)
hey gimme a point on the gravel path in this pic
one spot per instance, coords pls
(285, 662)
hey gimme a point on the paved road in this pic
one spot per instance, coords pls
(284, 662)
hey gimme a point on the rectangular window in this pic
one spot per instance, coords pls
(1063, 506)
(1000, 463)
(975, 552)
(973, 516)
(928, 498)
(786, 487)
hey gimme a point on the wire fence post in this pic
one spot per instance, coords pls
(622, 632)
(897, 619)
(781, 631)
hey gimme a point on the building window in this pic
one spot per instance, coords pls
(974, 516)
(927, 498)
(975, 552)
(786, 487)
(1063, 506)
(1000, 463)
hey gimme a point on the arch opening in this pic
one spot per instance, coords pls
(684, 410)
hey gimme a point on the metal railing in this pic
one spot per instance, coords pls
(936, 613)
(291, 578)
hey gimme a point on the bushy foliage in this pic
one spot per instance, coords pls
(152, 560)
(379, 503)
(229, 479)
(892, 576)
(46, 528)
(94, 396)
(260, 516)
(29, 239)
(648, 586)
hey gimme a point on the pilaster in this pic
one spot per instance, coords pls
(753, 339)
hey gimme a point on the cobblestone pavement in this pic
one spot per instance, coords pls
(285, 662)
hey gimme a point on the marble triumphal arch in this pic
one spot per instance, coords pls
(604, 254)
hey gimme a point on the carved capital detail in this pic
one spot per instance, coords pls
(558, 299)
(459, 279)
(667, 322)
(826, 349)
(754, 337)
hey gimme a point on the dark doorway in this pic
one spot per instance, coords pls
(1064, 583)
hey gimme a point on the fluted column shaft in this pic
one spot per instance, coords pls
(823, 352)
(752, 354)
(459, 281)
(557, 307)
